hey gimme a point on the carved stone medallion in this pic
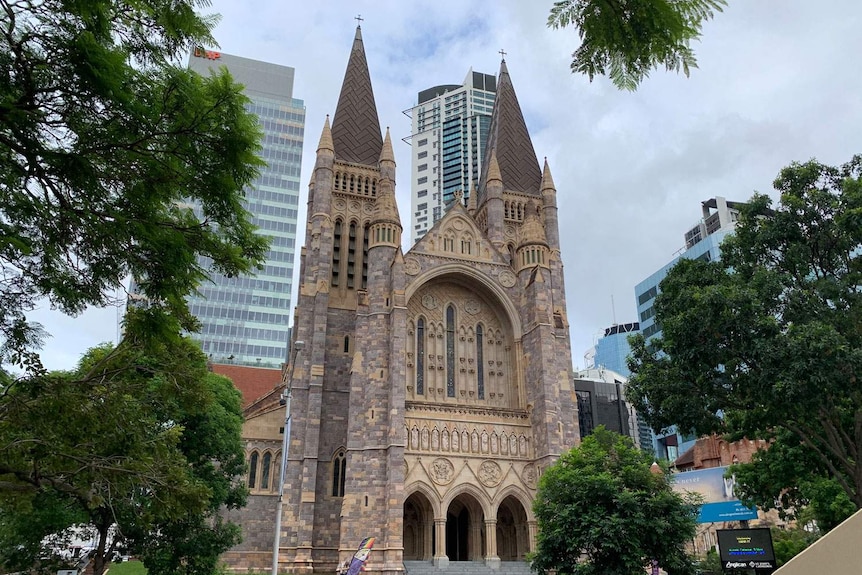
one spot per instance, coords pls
(442, 471)
(355, 207)
(472, 306)
(411, 266)
(507, 278)
(529, 476)
(340, 204)
(490, 473)
(429, 301)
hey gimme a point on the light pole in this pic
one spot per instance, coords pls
(285, 443)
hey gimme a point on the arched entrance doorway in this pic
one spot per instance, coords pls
(512, 531)
(418, 528)
(465, 529)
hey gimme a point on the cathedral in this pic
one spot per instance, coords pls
(433, 387)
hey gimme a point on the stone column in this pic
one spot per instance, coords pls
(533, 529)
(491, 558)
(475, 552)
(440, 558)
(427, 540)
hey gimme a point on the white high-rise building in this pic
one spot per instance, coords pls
(449, 128)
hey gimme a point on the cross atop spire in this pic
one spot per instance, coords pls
(359, 19)
(502, 54)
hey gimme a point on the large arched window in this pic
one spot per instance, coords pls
(480, 361)
(351, 255)
(339, 472)
(336, 253)
(252, 470)
(420, 356)
(450, 351)
(265, 469)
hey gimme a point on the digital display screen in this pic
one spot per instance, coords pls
(746, 548)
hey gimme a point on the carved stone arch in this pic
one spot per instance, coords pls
(428, 492)
(484, 503)
(475, 280)
(518, 493)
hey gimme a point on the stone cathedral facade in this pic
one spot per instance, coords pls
(435, 385)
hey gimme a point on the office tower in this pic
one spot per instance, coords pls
(702, 241)
(449, 129)
(612, 350)
(244, 320)
(611, 353)
(601, 398)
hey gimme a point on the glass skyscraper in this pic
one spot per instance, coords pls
(245, 319)
(449, 127)
(702, 241)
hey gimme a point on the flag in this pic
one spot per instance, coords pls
(361, 556)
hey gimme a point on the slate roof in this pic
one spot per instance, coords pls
(508, 135)
(355, 128)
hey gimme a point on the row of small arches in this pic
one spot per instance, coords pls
(455, 441)
(516, 210)
(356, 184)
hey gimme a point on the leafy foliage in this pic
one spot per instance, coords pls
(600, 510)
(768, 342)
(105, 143)
(626, 39)
(151, 451)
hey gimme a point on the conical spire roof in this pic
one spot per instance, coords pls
(326, 137)
(508, 135)
(355, 127)
(547, 180)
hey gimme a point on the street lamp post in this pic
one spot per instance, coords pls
(285, 443)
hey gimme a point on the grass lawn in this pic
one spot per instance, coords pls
(127, 568)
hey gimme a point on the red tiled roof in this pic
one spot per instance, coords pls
(253, 382)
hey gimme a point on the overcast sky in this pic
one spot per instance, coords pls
(778, 82)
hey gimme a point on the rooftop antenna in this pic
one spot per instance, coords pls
(613, 310)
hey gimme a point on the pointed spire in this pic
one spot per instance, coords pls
(493, 169)
(386, 154)
(532, 231)
(326, 137)
(508, 135)
(385, 209)
(471, 199)
(355, 127)
(547, 180)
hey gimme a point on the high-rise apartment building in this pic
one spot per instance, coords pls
(244, 320)
(449, 127)
(702, 241)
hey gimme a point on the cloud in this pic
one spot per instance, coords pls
(776, 83)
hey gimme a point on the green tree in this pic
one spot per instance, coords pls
(788, 543)
(768, 342)
(145, 457)
(106, 141)
(626, 39)
(600, 510)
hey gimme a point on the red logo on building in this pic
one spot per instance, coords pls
(209, 54)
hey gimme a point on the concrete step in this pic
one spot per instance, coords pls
(466, 568)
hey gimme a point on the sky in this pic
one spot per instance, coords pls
(778, 82)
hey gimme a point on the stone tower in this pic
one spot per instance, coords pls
(434, 385)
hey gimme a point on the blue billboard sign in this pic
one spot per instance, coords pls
(720, 504)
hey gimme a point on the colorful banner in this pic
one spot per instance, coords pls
(720, 504)
(361, 556)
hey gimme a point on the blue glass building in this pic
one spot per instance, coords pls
(702, 241)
